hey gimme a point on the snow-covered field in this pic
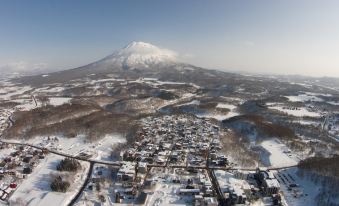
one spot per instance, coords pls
(297, 112)
(8, 92)
(278, 155)
(232, 113)
(35, 190)
(100, 149)
(26, 104)
(305, 97)
(227, 180)
(57, 101)
(49, 89)
(304, 194)
(89, 197)
(166, 194)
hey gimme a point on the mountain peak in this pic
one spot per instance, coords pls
(143, 48)
(134, 44)
(140, 55)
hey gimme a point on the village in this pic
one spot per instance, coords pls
(173, 160)
(16, 164)
(4, 123)
(177, 160)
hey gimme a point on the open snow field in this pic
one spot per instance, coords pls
(7, 92)
(232, 113)
(278, 155)
(49, 89)
(26, 104)
(89, 197)
(297, 112)
(99, 150)
(35, 190)
(166, 194)
(228, 180)
(304, 98)
(304, 194)
(57, 101)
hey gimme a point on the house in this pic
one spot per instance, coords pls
(267, 181)
(142, 167)
(126, 172)
(271, 186)
(27, 170)
(183, 191)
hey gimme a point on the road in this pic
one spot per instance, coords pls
(209, 169)
(118, 164)
(83, 187)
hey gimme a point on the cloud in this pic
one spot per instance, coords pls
(188, 56)
(23, 67)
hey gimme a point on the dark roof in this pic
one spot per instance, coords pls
(141, 199)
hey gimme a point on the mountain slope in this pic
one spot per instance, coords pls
(135, 60)
(139, 55)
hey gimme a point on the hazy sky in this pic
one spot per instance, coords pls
(281, 36)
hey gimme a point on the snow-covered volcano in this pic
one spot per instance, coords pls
(137, 59)
(139, 55)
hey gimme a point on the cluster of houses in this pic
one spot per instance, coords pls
(269, 185)
(176, 140)
(16, 162)
(243, 187)
(267, 181)
(4, 114)
(333, 125)
(171, 142)
(177, 158)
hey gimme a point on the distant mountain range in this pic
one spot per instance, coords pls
(137, 59)
(140, 59)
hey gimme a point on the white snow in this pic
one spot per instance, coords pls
(57, 101)
(7, 92)
(334, 103)
(304, 98)
(227, 179)
(227, 106)
(297, 112)
(50, 89)
(73, 146)
(232, 113)
(35, 190)
(304, 194)
(279, 155)
(139, 55)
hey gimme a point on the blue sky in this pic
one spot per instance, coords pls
(283, 36)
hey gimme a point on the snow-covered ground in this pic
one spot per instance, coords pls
(35, 190)
(50, 89)
(232, 113)
(304, 98)
(278, 154)
(89, 197)
(304, 194)
(166, 194)
(74, 146)
(227, 180)
(104, 146)
(7, 92)
(57, 101)
(297, 112)
(26, 104)
(334, 103)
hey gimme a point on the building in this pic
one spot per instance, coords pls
(126, 172)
